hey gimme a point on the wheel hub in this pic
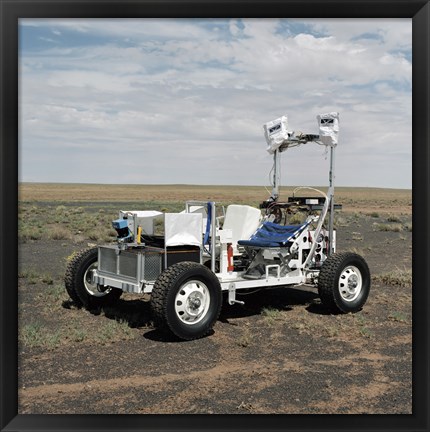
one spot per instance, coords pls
(192, 302)
(350, 283)
(94, 289)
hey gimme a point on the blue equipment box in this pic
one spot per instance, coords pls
(120, 224)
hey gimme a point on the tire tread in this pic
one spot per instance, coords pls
(327, 279)
(72, 282)
(71, 271)
(159, 298)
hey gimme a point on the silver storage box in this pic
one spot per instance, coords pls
(132, 267)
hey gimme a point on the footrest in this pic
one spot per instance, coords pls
(256, 272)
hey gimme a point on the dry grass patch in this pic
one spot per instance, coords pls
(58, 232)
(397, 277)
(388, 227)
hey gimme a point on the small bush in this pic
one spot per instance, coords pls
(357, 236)
(397, 277)
(35, 335)
(101, 234)
(393, 218)
(408, 226)
(61, 209)
(245, 340)
(47, 279)
(113, 331)
(389, 227)
(55, 293)
(365, 332)
(79, 335)
(31, 334)
(31, 275)
(340, 221)
(296, 219)
(271, 314)
(58, 232)
(30, 233)
(398, 317)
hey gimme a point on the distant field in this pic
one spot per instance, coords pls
(353, 199)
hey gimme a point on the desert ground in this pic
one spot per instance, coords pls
(279, 353)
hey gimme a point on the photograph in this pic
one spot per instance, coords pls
(214, 217)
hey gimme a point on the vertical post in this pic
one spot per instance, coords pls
(276, 174)
(331, 197)
(213, 238)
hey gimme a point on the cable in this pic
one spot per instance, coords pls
(310, 188)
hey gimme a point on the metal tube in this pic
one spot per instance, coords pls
(213, 238)
(327, 208)
(276, 173)
(331, 190)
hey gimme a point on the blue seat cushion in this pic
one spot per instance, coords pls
(273, 235)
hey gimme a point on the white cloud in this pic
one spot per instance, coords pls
(191, 96)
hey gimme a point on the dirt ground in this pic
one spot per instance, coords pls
(280, 353)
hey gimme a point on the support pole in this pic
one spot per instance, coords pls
(276, 175)
(331, 197)
(213, 238)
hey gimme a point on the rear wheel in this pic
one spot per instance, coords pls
(344, 282)
(78, 282)
(187, 300)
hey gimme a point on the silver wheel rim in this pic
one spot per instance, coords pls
(350, 283)
(90, 287)
(192, 302)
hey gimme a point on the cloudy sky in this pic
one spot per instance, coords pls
(183, 101)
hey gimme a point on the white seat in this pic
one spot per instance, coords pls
(243, 220)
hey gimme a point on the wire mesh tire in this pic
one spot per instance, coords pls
(344, 282)
(78, 284)
(186, 300)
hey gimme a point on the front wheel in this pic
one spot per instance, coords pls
(187, 300)
(344, 282)
(78, 281)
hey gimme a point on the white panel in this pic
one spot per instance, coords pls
(199, 209)
(183, 229)
(243, 221)
(144, 218)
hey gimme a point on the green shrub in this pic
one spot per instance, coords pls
(36, 335)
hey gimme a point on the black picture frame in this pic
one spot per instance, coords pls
(12, 10)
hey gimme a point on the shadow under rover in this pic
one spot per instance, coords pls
(282, 299)
(137, 313)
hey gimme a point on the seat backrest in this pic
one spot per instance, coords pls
(270, 235)
(243, 220)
